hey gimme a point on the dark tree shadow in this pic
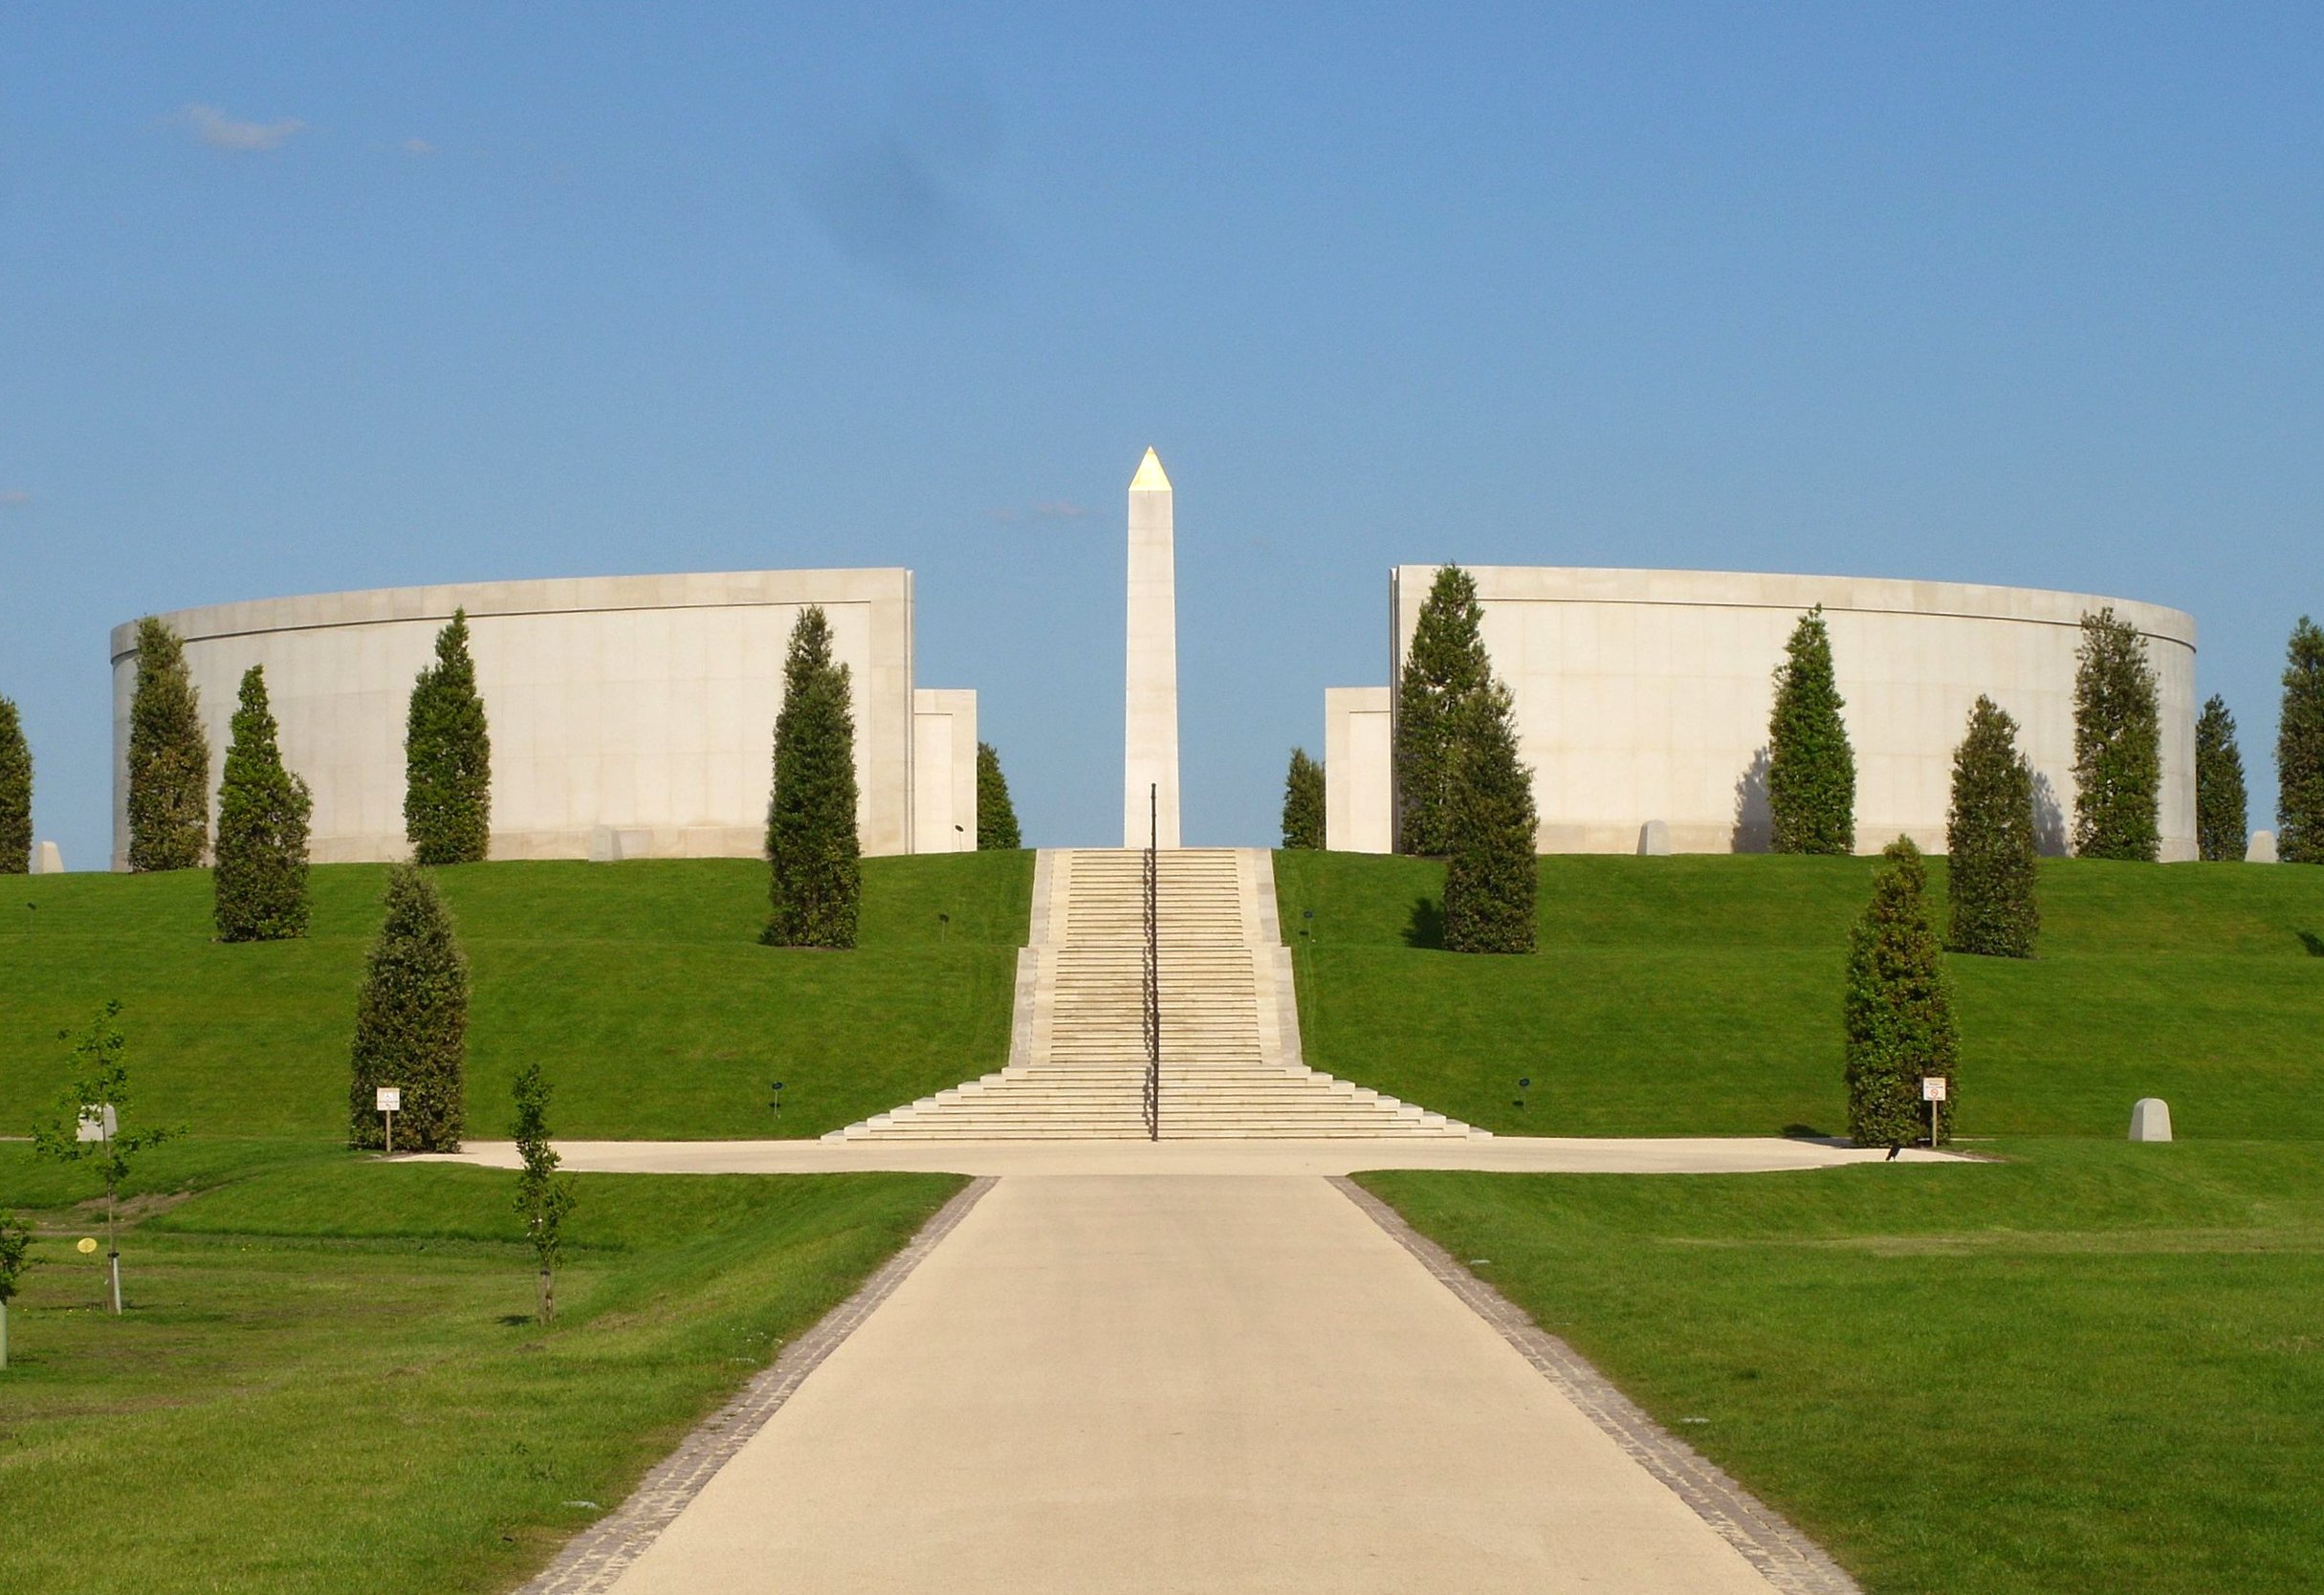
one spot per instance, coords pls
(1754, 820)
(2048, 818)
(2314, 943)
(1426, 927)
(1804, 1132)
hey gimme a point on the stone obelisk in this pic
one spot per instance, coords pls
(1149, 741)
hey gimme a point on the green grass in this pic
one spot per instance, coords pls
(639, 986)
(2095, 1367)
(1700, 995)
(327, 1379)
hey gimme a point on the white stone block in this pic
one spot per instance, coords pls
(604, 844)
(2150, 1119)
(2262, 849)
(46, 860)
(1654, 839)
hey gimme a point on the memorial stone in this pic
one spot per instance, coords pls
(2150, 1119)
(1655, 840)
(2262, 849)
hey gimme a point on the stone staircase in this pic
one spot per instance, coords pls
(1231, 1062)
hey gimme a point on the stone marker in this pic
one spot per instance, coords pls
(2262, 849)
(2150, 1119)
(48, 861)
(1149, 752)
(604, 844)
(1654, 839)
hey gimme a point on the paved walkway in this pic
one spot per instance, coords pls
(1506, 1153)
(1196, 1382)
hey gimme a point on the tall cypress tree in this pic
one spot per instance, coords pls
(2118, 743)
(15, 794)
(1897, 1012)
(1304, 803)
(411, 1023)
(1444, 667)
(812, 848)
(168, 756)
(2222, 806)
(1989, 840)
(995, 814)
(260, 885)
(1490, 879)
(448, 758)
(1811, 769)
(2299, 749)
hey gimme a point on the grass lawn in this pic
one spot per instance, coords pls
(327, 1379)
(2095, 1367)
(640, 986)
(1700, 995)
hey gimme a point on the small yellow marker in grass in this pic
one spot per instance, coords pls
(86, 1246)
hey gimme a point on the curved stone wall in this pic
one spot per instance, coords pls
(637, 709)
(1644, 695)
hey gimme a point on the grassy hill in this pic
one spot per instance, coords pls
(1702, 995)
(639, 986)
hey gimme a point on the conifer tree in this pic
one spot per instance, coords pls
(15, 794)
(812, 847)
(1304, 803)
(448, 758)
(2222, 805)
(1898, 1007)
(260, 885)
(1989, 840)
(168, 756)
(1490, 879)
(1444, 667)
(2118, 743)
(1811, 769)
(996, 815)
(2299, 749)
(411, 1023)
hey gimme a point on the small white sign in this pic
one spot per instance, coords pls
(97, 1124)
(1933, 1088)
(391, 1099)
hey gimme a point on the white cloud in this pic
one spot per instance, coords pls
(220, 131)
(1046, 508)
(418, 146)
(14, 496)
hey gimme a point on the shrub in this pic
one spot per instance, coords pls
(411, 1023)
(813, 853)
(448, 758)
(2223, 808)
(996, 815)
(2118, 743)
(15, 1247)
(260, 888)
(544, 1196)
(15, 794)
(1490, 880)
(2299, 749)
(1989, 841)
(1898, 1007)
(1811, 769)
(168, 756)
(1304, 803)
(1444, 667)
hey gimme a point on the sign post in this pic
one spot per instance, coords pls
(389, 1099)
(1933, 1089)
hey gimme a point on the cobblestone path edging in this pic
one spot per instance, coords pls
(1788, 1559)
(595, 1558)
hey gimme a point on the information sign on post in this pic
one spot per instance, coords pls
(390, 1098)
(1932, 1092)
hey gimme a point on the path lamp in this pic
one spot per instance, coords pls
(1523, 1085)
(776, 1103)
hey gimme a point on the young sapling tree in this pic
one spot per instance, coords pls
(87, 1127)
(543, 1195)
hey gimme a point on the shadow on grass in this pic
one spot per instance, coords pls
(2314, 943)
(1806, 1132)
(1426, 927)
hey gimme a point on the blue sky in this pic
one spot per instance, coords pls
(304, 297)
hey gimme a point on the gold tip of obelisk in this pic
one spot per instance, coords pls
(1150, 477)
